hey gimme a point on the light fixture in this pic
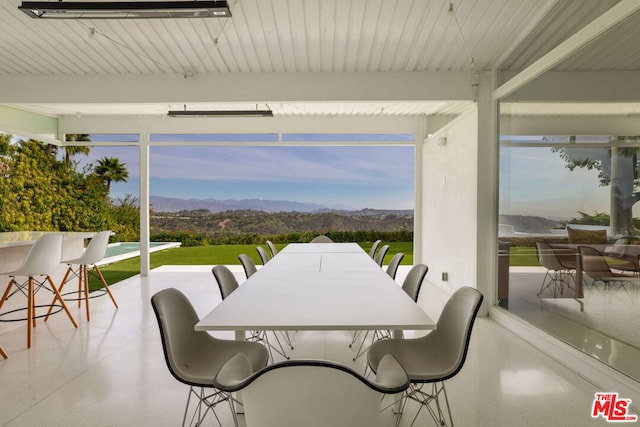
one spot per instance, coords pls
(220, 113)
(125, 9)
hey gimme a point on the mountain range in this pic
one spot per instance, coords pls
(171, 204)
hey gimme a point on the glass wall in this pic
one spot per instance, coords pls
(569, 239)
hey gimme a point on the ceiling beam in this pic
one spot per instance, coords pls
(606, 21)
(237, 87)
(285, 124)
(581, 86)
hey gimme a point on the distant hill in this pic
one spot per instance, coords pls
(529, 224)
(168, 204)
(272, 223)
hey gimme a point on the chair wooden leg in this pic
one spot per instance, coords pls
(85, 275)
(59, 298)
(104, 283)
(6, 293)
(3, 353)
(80, 278)
(64, 281)
(30, 314)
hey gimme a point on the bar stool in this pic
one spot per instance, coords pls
(79, 267)
(42, 260)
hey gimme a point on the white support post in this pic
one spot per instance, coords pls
(144, 205)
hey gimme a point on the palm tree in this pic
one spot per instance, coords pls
(72, 150)
(110, 169)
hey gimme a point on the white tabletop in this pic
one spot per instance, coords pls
(20, 238)
(318, 287)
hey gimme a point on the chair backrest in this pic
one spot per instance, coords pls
(547, 257)
(248, 264)
(453, 332)
(310, 393)
(227, 282)
(264, 256)
(272, 248)
(392, 268)
(379, 259)
(374, 248)
(594, 263)
(180, 342)
(96, 249)
(321, 239)
(44, 256)
(413, 282)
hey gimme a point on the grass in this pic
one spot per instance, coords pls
(212, 255)
(523, 256)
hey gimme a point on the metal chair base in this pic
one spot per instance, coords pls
(206, 404)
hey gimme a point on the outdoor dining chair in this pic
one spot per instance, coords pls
(310, 393)
(435, 357)
(595, 266)
(374, 248)
(80, 267)
(247, 264)
(194, 357)
(392, 268)
(41, 261)
(558, 275)
(379, 259)
(272, 248)
(264, 256)
(321, 239)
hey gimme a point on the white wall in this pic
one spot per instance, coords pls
(449, 213)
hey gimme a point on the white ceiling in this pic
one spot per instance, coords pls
(307, 37)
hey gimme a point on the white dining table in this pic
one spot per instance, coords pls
(324, 286)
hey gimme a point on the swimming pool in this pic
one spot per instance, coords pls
(123, 250)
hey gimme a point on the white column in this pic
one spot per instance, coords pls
(144, 205)
(418, 238)
(487, 192)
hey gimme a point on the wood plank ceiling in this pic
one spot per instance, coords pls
(307, 36)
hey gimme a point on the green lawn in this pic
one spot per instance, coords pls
(211, 255)
(523, 256)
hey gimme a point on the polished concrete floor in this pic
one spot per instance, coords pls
(111, 371)
(606, 327)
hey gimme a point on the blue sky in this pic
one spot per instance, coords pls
(535, 181)
(334, 176)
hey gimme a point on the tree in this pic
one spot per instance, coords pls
(617, 167)
(110, 169)
(72, 150)
(39, 192)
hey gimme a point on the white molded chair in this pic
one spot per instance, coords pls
(392, 268)
(79, 267)
(435, 357)
(379, 258)
(310, 393)
(272, 248)
(194, 357)
(264, 255)
(247, 264)
(558, 275)
(321, 239)
(374, 248)
(42, 260)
